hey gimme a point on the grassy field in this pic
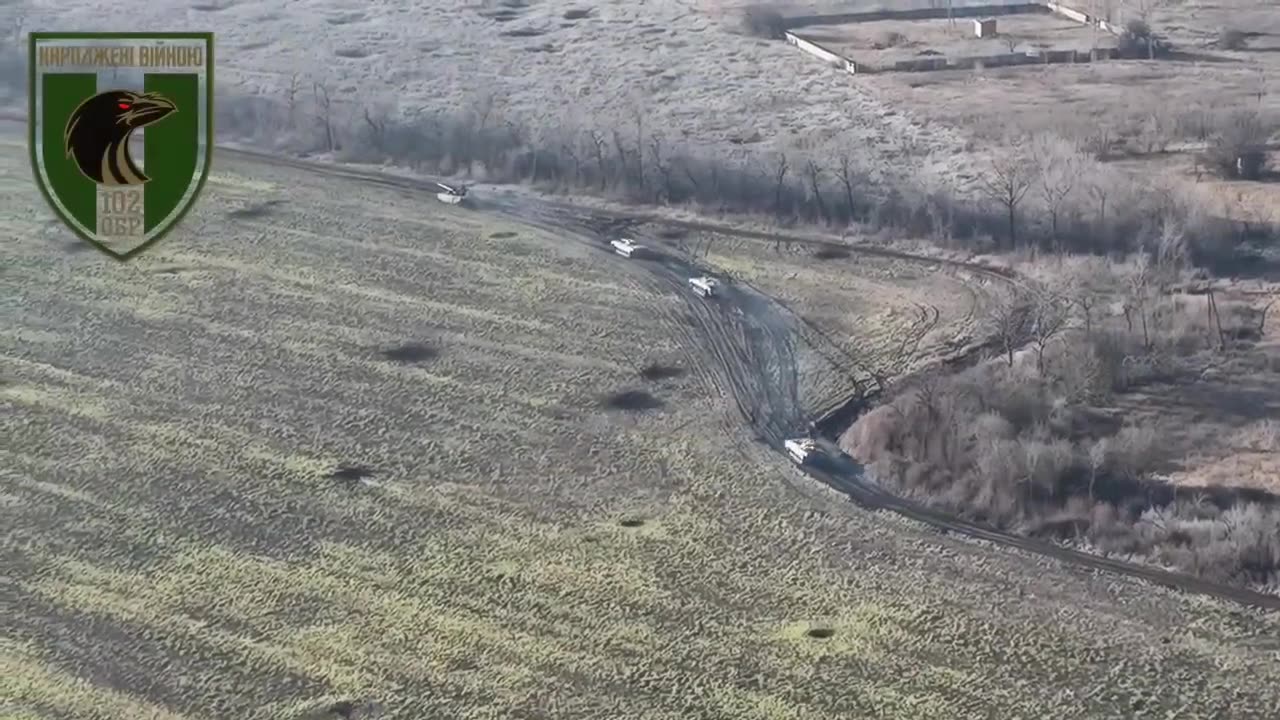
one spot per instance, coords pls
(680, 66)
(685, 72)
(351, 446)
(877, 315)
(681, 72)
(1225, 419)
(1120, 95)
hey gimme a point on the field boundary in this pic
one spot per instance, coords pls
(929, 13)
(856, 489)
(966, 62)
(1083, 18)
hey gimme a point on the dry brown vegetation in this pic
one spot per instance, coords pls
(875, 317)
(1043, 192)
(1056, 436)
(891, 170)
(354, 452)
(627, 574)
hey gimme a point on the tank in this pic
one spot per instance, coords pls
(450, 194)
(704, 286)
(626, 247)
(801, 450)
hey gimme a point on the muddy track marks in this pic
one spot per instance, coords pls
(750, 336)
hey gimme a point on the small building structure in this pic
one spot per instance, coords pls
(984, 28)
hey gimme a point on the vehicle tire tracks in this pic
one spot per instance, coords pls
(751, 358)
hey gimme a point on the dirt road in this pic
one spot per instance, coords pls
(752, 340)
(744, 346)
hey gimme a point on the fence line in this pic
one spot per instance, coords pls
(1045, 57)
(822, 53)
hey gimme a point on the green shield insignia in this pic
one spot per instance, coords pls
(121, 131)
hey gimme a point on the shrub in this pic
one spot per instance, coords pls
(990, 443)
(1138, 29)
(602, 155)
(762, 21)
(1137, 41)
(1238, 147)
(1232, 39)
(1082, 374)
(874, 435)
(889, 39)
(1133, 452)
(1016, 394)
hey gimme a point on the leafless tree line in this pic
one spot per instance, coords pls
(621, 156)
(1022, 441)
(1052, 195)
(1042, 192)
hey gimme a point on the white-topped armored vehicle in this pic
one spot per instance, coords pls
(451, 194)
(802, 450)
(626, 247)
(705, 286)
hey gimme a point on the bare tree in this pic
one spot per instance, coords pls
(1258, 86)
(936, 195)
(814, 171)
(1010, 321)
(324, 106)
(1097, 141)
(1238, 147)
(291, 98)
(1215, 319)
(1007, 181)
(1173, 252)
(1093, 16)
(1201, 122)
(638, 119)
(1097, 461)
(905, 353)
(715, 179)
(848, 178)
(532, 144)
(663, 167)
(1262, 317)
(487, 149)
(779, 179)
(1085, 287)
(598, 142)
(1098, 191)
(470, 136)
(1138, 22)
(1012, 42)
(1049, 314)
(686, 168)
(1155, 131)
(1059, 168)
(482, 107)
(1138, 298)
(569, 146)
(376, 129)
(933, 409)
(622, 155)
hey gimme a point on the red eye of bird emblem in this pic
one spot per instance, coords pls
(123, 106)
